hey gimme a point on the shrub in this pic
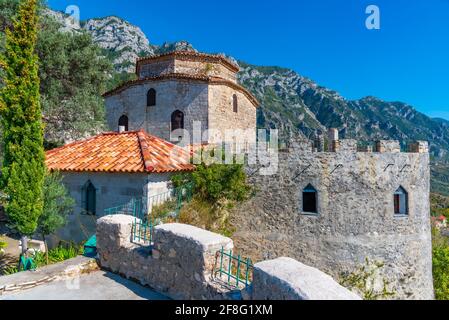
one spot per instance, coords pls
(220, 181)
(440, 265)
(440, 261)
(58, 254)
(216, 189)
(3, 244)
(57, 205)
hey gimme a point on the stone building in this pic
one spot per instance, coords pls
(329, 207)
(332, 210)
(111, 170)
(174, 90)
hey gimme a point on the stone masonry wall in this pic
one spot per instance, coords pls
(190, 98)
(199, 68)
(287, 279)
(157, 68)
(202, 68)
(222, 117)
(211, 105)
(113, 189)
(355, 217)
(181, 262)
(179, 265)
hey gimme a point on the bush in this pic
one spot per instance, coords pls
(220, 181)
(440, 265)
(58, 254)
(3, 244)
(440, 260)
(216, 188)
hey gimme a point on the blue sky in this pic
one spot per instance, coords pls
(326, 40)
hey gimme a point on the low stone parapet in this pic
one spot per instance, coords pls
(182, 260)
(179, 265)
(288, 279)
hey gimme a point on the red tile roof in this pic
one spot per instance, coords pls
(133, 151)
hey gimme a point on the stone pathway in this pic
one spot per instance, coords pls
(97, 285)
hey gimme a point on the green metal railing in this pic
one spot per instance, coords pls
(169, 203)
(155, 206)
(235, 270)
(142, 232)
(132, 208)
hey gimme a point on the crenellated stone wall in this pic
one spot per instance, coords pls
(356, 217)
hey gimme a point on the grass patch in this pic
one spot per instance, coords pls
(59, 254)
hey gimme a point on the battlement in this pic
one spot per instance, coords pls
(334, 144)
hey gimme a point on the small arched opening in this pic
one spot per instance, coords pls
(310, 200)
(123, 123)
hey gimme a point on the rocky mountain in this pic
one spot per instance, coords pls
(290, 102)
(121, 41)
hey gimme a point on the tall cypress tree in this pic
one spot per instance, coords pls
(21, 118)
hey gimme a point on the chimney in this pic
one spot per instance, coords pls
(334, 143)
(121, 129)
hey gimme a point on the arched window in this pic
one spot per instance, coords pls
(123, 122)
(151, 97)
(400, 201)
(89, 194)
(235, 104)
(177, 120)
(309, 199)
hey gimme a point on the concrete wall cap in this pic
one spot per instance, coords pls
(203, 237)
(307, 282)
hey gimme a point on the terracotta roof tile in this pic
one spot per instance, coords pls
(134, 151)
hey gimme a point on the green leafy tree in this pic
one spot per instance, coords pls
(73, 72)
(57, 206)
(73, 75)
(221, 181)
(21, 118)
(440, 261)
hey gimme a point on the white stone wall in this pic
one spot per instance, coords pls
(157, 68)
(186, 66)
(113, 189)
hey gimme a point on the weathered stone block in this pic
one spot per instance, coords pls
(388, 146)
(288, 279)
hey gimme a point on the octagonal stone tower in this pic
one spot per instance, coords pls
(174, 90)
